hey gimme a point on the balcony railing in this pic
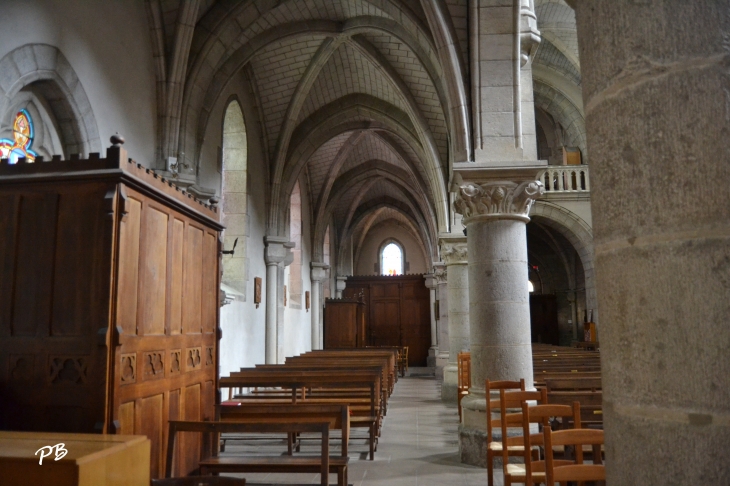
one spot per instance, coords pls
(566, 179)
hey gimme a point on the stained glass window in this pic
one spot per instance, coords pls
(22, 140)
(392, 260)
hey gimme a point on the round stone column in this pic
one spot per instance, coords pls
(454, 254)
(277, 250)
(656, 87)
(431, 284)
(317, 274)
(495, 215)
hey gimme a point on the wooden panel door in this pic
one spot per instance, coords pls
(55, 261)
(415, 322)
(340, 324)
(164, 363)
(385, 322)
(544, 319)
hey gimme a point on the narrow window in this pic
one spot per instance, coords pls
(391, 260)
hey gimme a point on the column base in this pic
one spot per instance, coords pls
(441, 361)
(473, 431)
(431, 359)
(449, 386)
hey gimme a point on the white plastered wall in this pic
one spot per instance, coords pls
(243, 324)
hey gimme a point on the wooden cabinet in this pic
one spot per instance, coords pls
(344, 324)
(90, 460)
(397, 312)
(108, 301)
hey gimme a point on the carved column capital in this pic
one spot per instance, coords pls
(431, 282)
(319, 271)
(277, 250)
(440, 272)
(453, 250)
(497, 200)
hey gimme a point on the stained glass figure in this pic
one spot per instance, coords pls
(392, 258)
(22, 140)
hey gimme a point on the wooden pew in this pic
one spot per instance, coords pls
(337, 415)
(591, 405)
(294, 381)
(323, 464)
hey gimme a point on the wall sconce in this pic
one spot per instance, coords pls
(257, 291)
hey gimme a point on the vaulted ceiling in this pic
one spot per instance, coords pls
(365, 99)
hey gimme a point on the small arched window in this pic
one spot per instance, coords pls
(391, 260)
(23, 135)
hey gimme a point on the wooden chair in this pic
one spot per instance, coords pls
(199, 481)
(492, 446)
(515, 400)
(463, 363)
(533, 471)
(403, 360)
(577, 471)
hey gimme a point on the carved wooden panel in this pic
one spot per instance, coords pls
(68, 370)
(175, 361)
(21, 367)
(154, 365)
(209, 356)
(128, 368)
(193, 359)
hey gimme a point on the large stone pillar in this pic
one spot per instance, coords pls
(454, 254)
(431, 284)
(495, 215)
(656, 88)
(317, 274)
(276, 251)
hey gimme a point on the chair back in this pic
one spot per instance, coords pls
(493, 404)
(577, 471)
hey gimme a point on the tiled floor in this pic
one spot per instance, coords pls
(418, 447)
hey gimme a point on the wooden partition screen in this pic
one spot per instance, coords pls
(397, 312)
(109, 280)
(344, 324)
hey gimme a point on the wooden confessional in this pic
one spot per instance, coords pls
(109, 280)
(397, 312)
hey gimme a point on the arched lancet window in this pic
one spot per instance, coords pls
(530, 287)
(391, 259)
(234, 194)
(295, 236)
(23, 135)
(326, 290)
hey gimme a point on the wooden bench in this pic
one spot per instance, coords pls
(294, 381)
(337, 415)
(322, 464)
(591, 405)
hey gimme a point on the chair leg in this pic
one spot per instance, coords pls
(372, 442)
(490, 468)
(342, 476)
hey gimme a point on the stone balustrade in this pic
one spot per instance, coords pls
(558, 178)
